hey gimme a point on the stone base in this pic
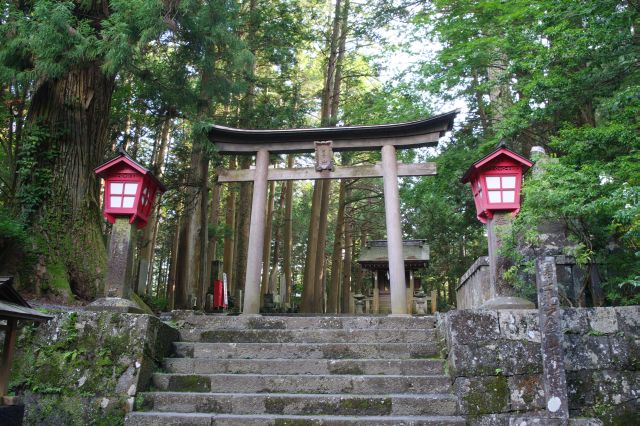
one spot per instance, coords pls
(399, 315)
(115, 304)
(508, 303)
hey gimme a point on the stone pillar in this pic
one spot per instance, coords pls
(410, 292)
(394, 231)
(500, 291)
(256, 235)
(551, 334)
(119, 270)
(120, 263)
(376, 293)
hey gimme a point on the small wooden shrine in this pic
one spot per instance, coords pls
(374, 258)
(13, 308)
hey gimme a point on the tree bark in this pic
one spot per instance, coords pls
(68, 122)
(266, 244)
(288, 235)
(145, 268)
(242, 229)
(171, 279)
(309, 280)
(230, 219)
(320, 278)
(273, 276)
(336, 259)
(346, 266)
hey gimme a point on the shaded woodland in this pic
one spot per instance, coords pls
(79, 79)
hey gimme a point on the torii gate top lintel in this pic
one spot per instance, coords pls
(411, 134)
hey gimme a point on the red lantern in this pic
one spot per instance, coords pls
(496, 181)
(130, 189)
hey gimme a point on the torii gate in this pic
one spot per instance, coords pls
(387, 137)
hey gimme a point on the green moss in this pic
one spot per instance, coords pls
(141, 304)
(487, 395)
(58, 279)
(366, 406)
(190, 383)
(274, 405)
(346, 368)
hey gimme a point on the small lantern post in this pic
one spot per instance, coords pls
(129, 192)
(495, 182)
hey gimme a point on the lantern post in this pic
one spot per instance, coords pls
(495, 182)
(130, 190)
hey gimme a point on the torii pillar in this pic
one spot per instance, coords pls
(394, 231)
(256, 235)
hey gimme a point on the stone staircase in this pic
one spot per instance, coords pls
(245, 371)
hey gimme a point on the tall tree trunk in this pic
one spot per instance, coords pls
(266, 244)
(273, 276)
(192, 269)
(242, 229)
(346, 266)
(320, 278)
(171, 279)
(230, 219)
(145, 268)
(336, 259)
(288, 235)
(309, 281)
(68, 122)
(212, 247)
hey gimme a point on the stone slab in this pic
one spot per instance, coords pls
(175, 419)
(321, 384)
(304, 366)
(306, 351)
(300, 404)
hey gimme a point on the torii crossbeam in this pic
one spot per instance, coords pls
(386, 137)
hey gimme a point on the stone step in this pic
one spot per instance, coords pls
(188, 319)
(300, 404)
(320, 384)
(200, 419)
(352, 335)
(306, 351)
(304, 366)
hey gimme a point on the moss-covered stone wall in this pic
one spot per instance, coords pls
(86, 367)
(495, 361)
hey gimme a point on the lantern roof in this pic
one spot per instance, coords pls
(124, 157)
(501, 151)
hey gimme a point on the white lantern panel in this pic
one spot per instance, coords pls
(494, 196)
(116, 187)
(116, 202)
(508, 182)
(127, 202)
(508, 196)
(493, 182)
(130, 188)
(144, 200)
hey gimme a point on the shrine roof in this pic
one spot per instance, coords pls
(374, 254)
(12, 305)
(412, 134)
